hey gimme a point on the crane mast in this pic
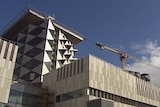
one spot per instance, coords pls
(122, 54)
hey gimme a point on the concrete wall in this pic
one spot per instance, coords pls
(68, 78)
(104, 79)
(8, 53)
(109, 78)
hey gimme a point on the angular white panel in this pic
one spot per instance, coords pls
(45, 70)
(49, 35)
(46, 57)
(47, 46)
(59, 56)
(60, 46)
(50, 25)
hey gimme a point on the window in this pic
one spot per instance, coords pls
(71, 95)
(32, 76)
(6, 50)
(1, 44)
(12, 53)
(58, 98)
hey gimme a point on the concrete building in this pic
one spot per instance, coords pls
(92, 82)
(47, 55)
(44, 45)
(8, 54)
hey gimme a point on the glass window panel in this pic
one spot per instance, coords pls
(19, 97)
(13, 96)
(35, 41)
(32, 64)
(6, 50)
(33, 52)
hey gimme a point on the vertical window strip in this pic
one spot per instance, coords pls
(61, 74)
(74, 68)
(82, 65)
(63, 69)
(12, 53)
(1, 44)
(6, 50)
(58, 75)
(67, 68)
(78, 66)
(70, 69)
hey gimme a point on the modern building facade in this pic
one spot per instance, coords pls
(44, 45)
(46, 55)
(8, 54)
(92, 82)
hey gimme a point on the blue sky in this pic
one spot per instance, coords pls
(121, 24)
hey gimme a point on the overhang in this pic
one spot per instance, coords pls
(32, 16)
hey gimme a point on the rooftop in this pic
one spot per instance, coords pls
(31, 15)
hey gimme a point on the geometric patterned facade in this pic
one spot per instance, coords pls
(44, 45)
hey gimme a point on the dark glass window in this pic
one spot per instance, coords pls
(6, 50)
(13, 96)
(35, 41)
(58, 98)
(26, 77)
(1, 44)
(36, 31)
(38, 23)
(12, 53)
(21, 50)
(33, 52)
(32, 64)
(23, 40)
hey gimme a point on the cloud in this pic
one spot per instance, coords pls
(150, 52)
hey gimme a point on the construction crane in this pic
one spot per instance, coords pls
(123, 56)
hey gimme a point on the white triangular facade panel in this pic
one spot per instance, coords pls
(50, 25)
(46, 57)
(49, 35)
(47, 46)
(45, 69)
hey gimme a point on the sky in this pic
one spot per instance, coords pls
(132, 26)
